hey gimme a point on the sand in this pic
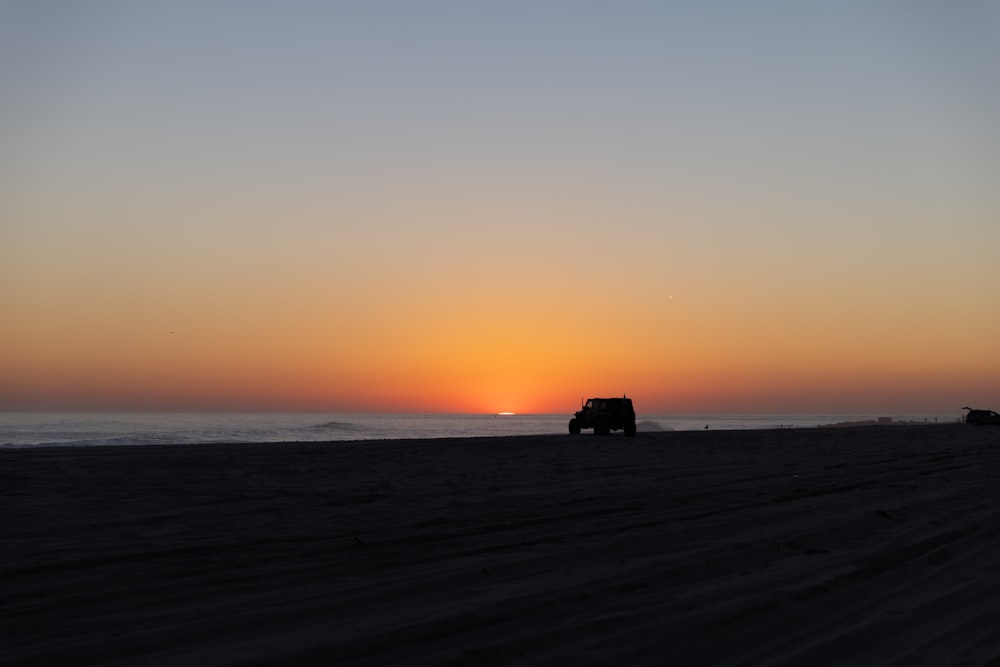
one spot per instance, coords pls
(874, 545)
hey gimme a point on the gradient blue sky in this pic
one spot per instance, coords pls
(771, 206)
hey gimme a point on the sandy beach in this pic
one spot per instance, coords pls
(867, 545)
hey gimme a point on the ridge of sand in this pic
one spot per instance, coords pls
(783, 547)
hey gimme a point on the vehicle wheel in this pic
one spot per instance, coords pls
(630, 429)
(574, 426)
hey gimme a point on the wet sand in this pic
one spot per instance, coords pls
(867, 545)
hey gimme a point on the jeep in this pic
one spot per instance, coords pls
(981, 417)
(605, 415)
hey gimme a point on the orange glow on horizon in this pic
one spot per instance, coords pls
(450, 350)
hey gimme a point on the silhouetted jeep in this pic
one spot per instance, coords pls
(605, 415)
(980, 417)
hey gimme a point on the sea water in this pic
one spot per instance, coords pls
(26, 429)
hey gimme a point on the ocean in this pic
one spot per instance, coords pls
(32, 429)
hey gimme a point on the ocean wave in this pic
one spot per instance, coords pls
(338, 426)
(650, 426)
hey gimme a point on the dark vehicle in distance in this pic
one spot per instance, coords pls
(981, 417)
(605, 415)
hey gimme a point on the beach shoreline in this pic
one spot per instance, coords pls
(789, 546)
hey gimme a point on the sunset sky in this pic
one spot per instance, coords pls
(435, 206)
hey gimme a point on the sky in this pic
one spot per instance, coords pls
(444, 206)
